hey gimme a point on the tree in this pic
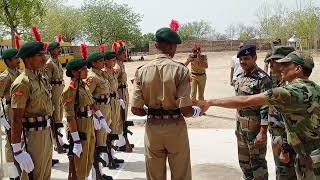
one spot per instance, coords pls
(195, 30)
(246, 32)
(106, 22)
(19, 14)
(143, 43)
(231, 31)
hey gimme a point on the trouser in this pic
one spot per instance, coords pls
(283, 171)
(252, 158)
(124, 94)
(57, 103)
(167, 139)
(308, 167)
(84, 164)
(198, 83)
(40, 149)
(116, 122)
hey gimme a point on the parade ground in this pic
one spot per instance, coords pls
(212, 140)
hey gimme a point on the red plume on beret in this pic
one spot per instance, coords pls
(194, 46)
(17, 40)
(59, 39)
(84, 51)
(115, 47)
(36, 33)
(102, 48)
(45, 45)
(174, 25)
(120, 42)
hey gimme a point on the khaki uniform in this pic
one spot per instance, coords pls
(31, 93)
(100, 88)
(164, 85)
(54, 73)
(249, 120)
(299, 103)
(116, 123)
(6, 79)
(122, 86)
(198, 76)
(84, 122)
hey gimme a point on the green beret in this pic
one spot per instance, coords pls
(279, 52)
(9, 53)
(168, 35)
(95, 56)
(300, 58)
(109, 55)
(30, 49)
(75, 65)
(53, 45)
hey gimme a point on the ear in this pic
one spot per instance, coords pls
(299, 69)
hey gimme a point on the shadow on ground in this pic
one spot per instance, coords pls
(215, 171)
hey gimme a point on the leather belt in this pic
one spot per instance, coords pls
(102, 100)
(163, 114)
(198, 74)
(37, 123)
(84, 112)
(57, 82)
(122, 86)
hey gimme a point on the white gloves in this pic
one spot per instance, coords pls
(4, 122)
(105, 157)
(122, 103)
(77, 146)
(23, 158)
(105, 126)
(96, 123)
(12, 170)
(145, 108)
(60, 139)
(196, 111)
(121, 141)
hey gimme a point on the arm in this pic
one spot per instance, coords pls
(231, 76)
(3, 84)
(188, 61)
(239, 101)
(137, 99)
(203, 61)
(16, 129)
(183, 94)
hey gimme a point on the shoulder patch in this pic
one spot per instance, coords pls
(19, 93)
(72, 84)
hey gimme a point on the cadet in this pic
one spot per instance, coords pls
(123, 92)
(54, 74)
(6, 79)
(116, 125)
(167, 100)
(252, 123)
(199, 64)
(79, 106)
(282, 152)
(299, 103)
(100, 88)
(32, 110)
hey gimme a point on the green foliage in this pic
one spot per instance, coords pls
(107, 21)
(195, 30)
(143, 43)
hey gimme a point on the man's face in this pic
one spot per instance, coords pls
(248, 62)
(13, 63)
(38, 61)
(275, 67)
(56, 52)
(98, 64)
(122, 56)
(83, 72)
(111, 63)
(289, 71)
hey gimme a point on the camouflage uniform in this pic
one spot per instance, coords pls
(299, 101)
(249, 120)
(279, 140)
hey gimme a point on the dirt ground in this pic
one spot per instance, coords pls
(217, 85)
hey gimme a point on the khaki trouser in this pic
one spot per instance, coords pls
(101, 135)
(8, 148)
(198, 83)
(167, 139)
(40, 149)
(125, 97)
(83, 164)
(57, 103)
(117, 123)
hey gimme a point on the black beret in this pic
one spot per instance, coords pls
(246, 50)
(75, 64)
(53, 45)
(109, 55)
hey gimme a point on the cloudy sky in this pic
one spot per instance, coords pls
(219, 13)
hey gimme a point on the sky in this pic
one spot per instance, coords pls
(219, 13)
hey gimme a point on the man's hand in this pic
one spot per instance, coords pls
(203, 104)
(4, 123)
(284, 157)
(261, 137)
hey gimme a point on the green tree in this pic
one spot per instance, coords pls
(143, 43)
(19, 14)
(247, 33)
(195, 30)
(107, 21)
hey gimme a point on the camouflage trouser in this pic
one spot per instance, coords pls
(252, 159)
(308, 167)
(283, 171)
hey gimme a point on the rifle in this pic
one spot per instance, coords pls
(56, 133)
(111, 164)
(72, 169)
(1, 168)
(30, 174)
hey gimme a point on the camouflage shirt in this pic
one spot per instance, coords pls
(299, 103)
(253, 83)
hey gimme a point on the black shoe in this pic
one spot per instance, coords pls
(55, 161)
(17, 178)
(105, 177)
(113, 165)
(118, 161)
(123, 148)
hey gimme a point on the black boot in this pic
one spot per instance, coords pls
(105, 177)
(17, 178)
(55, 161)
(118, 161)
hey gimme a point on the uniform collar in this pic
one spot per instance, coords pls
(160, 56)
(13, 71)
(55, 60)
(251, 72)
(97, 71)
(32, 74)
